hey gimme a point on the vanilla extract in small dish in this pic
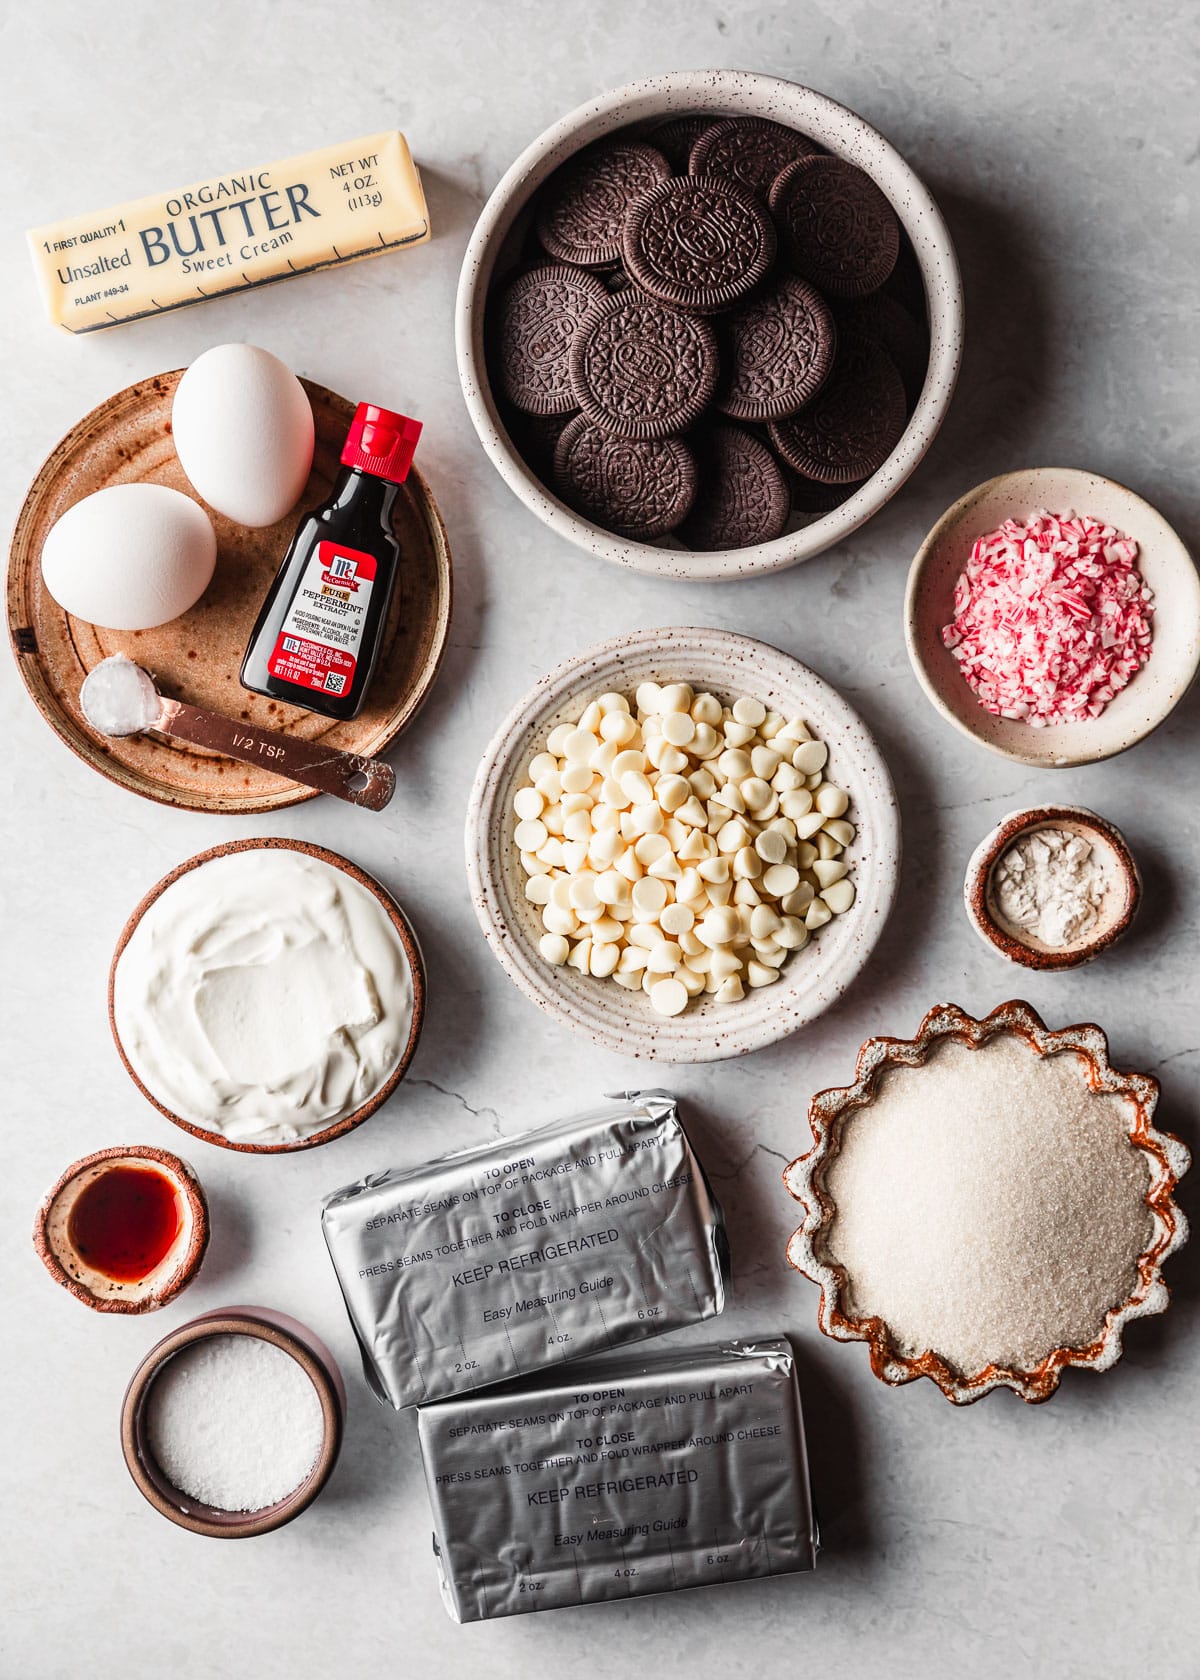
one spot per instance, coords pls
(125, 1221)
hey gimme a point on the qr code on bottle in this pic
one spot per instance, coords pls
(335, 682)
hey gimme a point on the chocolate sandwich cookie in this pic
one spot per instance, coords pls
(748, 149)
(885, 321)
(851, 427)
(698, 243)
(809, 497)
(535, 436)
(641, 370)
(676, 138)
(837, 228)
(536, 320)
(743, 497)
(583, 205)
(776, 351)
(905, 283)
(634, 487)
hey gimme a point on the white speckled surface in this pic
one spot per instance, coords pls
(1061, 1541)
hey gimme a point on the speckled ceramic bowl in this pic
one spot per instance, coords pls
(1117, 908)
(828, 1113)
(728, 93)
(404, 933)
(294, 1339)
(812, 978)
(52, 1236)
(1164, 561)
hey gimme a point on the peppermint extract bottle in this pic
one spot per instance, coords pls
(317, 638)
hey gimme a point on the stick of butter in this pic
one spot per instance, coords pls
(230, 232)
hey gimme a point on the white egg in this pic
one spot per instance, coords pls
(130, 557)
(243, 433)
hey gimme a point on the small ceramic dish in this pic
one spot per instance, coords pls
(1117, 908)
(1164, 562)
(56, 1239)
(282, 1332)
(718, 93)
(829, 1112)
(813, 978)
(196, 658)
(407, 939)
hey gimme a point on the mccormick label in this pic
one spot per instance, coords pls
(319, 643)
(614, 1479)
(528, 1252)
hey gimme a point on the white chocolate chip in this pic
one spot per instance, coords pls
(839, 897)
(810, 756)
(668, 847)
(831, 801)
(668, 997)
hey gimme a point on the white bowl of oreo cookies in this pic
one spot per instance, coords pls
(708, 324)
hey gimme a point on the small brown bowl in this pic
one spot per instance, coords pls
(806, 1179)
(57, 1252)
(1119, 906)
(411, 950)
(282, 1332)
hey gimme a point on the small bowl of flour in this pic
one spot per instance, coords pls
(1052, 887)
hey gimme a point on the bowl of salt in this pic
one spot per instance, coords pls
(232, 1424)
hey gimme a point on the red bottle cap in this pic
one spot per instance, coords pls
(381, 442)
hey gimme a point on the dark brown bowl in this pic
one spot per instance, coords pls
(411, 950)
(977, 888)
(269, 1326)
(51, 1235)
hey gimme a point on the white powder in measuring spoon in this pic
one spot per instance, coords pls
(1050, 884)
(234, 1422)
(990, 1206)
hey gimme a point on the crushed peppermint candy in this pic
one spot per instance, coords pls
(1051, 618)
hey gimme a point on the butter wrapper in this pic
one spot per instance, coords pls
(230, 232)
(498, 1261)
(618, 1478)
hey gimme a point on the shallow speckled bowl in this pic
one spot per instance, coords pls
(730, 93)
(827, 1114)
(1119, 906)
(1164, 561)
(177, 1268)
(812, 978)
(282, 1332)
(404, 933)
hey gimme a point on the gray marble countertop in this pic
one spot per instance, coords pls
(1061, 142)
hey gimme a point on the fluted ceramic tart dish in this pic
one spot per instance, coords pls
(996, 1239)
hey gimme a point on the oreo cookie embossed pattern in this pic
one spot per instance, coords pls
(707, 276)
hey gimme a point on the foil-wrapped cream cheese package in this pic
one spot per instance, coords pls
(231, 231)
(620, 1477)
(498, 1261)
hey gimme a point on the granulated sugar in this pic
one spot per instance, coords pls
(990, 1207)
(234, 1422)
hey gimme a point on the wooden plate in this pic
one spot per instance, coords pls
(196, 658)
